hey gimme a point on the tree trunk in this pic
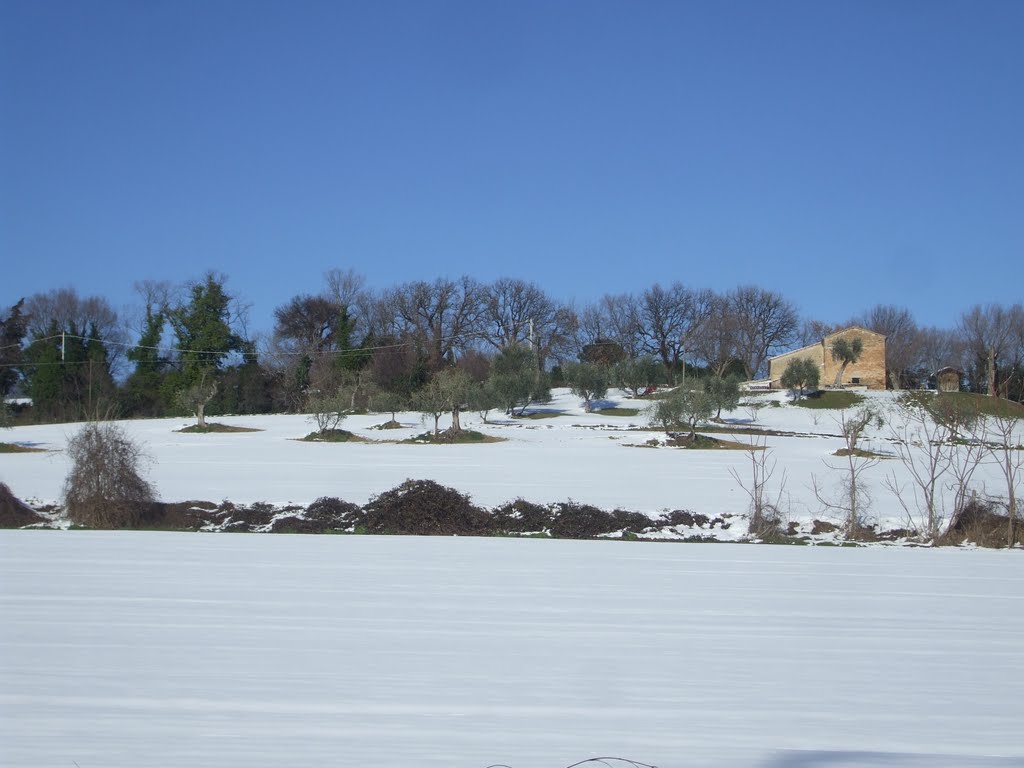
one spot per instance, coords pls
(839, 376)
(201, 415)
(456, 424)
(991, 372)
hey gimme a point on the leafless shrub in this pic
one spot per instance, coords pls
(924, 448)
(105, 488)
(852, 500)
(765, 513)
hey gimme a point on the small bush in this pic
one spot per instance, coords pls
(425, 508)
(105, 488)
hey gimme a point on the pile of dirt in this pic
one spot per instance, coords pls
(14, 513)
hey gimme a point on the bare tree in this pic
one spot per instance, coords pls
(923, 447)
(1005, 445)
(66, 311)
(901, 340)
(938, 348)
(813, 331)
(513, 311)
(717, 339)
(989, 332)
(443, 316)
(853, 499)
(765, 506)
(669, 319)
(105, 487)
(613, 319)
(765, 323)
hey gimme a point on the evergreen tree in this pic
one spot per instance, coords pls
(12, 333)
(142, 388)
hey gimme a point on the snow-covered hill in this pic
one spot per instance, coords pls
(593, 458)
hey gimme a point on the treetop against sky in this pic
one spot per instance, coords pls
(591, 147)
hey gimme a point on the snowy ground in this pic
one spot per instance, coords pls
(149, 650)
(585, 457)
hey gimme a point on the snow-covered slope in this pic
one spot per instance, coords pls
(590, 458)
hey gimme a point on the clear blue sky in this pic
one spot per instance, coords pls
(843, 153)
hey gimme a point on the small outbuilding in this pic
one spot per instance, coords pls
(948, 379)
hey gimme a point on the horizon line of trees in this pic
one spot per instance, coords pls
(499, 344)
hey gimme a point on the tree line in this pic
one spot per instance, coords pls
(440, 346)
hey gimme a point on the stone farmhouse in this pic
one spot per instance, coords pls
(868, 372)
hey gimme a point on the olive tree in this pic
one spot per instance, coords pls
(587, 381)
(800, 375)
(846, 352)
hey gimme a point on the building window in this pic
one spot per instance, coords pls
(855, 380)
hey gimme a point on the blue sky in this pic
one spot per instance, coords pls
(843, 153)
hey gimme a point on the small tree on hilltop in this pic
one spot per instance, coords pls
(195, 396)
(724, 393)
(431, 400)
(683, 407)
(800, 375)
(587, 381)
(384, 401)
(639, 375)
(454, 385)
(846, 352)
(105, 488)
(516, 380)
(327, 411)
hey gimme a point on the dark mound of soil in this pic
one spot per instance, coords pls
(425, 508)
(14, 513)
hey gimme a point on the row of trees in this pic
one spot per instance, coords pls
(189, 348)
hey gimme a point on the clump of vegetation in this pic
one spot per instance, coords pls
(573, 520)
(799, 376)
(213, 427)
(451, 437)
(683, 407)
(335, 513)
(982, 522)
(425, 508)
(105, 488)
(333, 436)
(521, 516)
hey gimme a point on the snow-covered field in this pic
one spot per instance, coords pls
(586, 457)
(150, 650)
